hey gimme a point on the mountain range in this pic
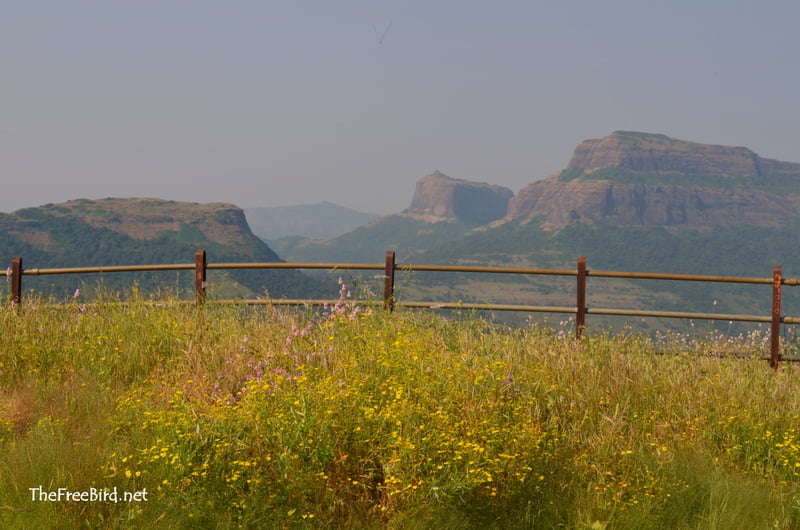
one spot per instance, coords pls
(624, 180)
(629, 201)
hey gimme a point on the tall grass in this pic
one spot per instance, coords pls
(262, 418)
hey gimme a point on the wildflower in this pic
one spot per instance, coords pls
(9, 274)
(77, 293)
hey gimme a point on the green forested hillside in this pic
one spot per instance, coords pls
(59, 238)
(734, 251)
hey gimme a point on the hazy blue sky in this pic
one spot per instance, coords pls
(269, 103)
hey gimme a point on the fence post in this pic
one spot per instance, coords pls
(775, 338)
(200, 277)
(16, 281)
(580, 316)
(388, 286)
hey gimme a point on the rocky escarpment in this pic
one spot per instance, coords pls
(642, 179)
(439, 196)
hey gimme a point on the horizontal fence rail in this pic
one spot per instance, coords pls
(15, 273)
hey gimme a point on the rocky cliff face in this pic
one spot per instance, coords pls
(631, 178)
(439, 196)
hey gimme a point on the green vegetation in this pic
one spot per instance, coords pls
(258, 418)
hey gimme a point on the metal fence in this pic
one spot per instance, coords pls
(580, 310)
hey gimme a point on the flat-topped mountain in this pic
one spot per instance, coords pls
(639, 179)
(134, 231)
(661, 155)
(438, 195)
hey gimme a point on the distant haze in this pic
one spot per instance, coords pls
(321, 220)
(283, 103)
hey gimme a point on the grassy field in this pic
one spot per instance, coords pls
(346, 418)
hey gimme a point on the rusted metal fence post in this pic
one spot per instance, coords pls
(200, 277)
(388, 286)
(16, 281)
(580, 315)
(775, 338)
